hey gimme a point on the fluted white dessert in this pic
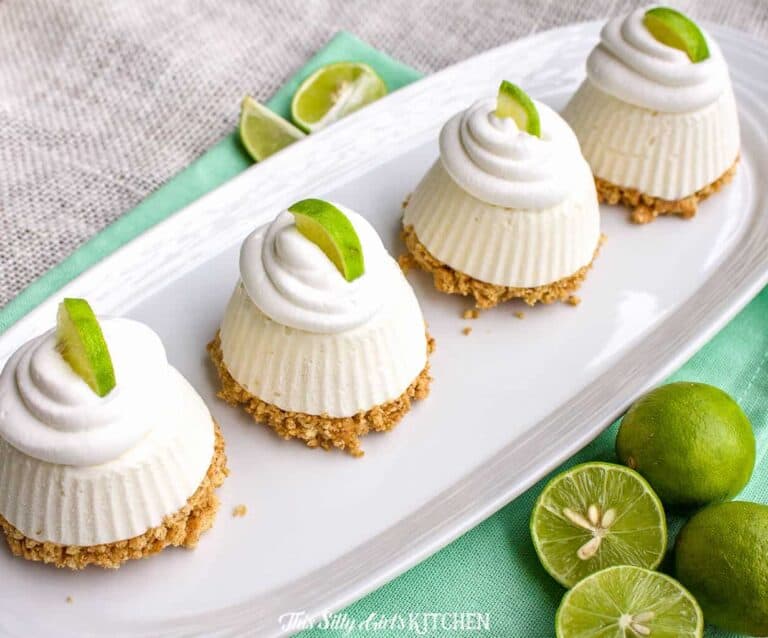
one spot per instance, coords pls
(649, 118)
(79, 469)
(506, 207)
(299, 336)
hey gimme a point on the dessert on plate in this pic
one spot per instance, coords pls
(323, 339)
(106, 452)
(509, 209)
(656, 115)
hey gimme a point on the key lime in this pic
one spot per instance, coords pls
(81, 343)
(263, 132)
(678, 31)
(514, 103)
(330, 229)
(628, 602)
(691, 441)
(720, 556)
(334, 91)
(594, 516)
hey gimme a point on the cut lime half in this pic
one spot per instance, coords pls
(263, 132)
(330, 229)
(514, 103)
(628, 602)
(334, 91)
(594, 516)
(81, 343)
(678, 31)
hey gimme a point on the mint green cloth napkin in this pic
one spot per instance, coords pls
(493, 568)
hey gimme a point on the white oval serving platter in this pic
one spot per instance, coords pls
(509, 402)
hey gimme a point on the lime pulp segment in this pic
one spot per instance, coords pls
(263, 132)
(677, 30)
(330, 229)
(82, 345)
(334, 91)
(513, 102)
(628, 602)
(594, 516)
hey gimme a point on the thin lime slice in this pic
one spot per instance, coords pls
(262, 131)
(677, 30)
(334, 91)
(81, 343)
(514, 103)
(330, 229)
(594, 516)
(628, 602)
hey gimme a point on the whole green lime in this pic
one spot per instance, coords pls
(691, 441)
(720, 557)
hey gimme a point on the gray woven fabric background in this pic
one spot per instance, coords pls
(102, 101)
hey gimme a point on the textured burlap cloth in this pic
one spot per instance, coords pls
(101, 102)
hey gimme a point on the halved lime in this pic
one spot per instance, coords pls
(513, 102)
(330, 229)
(628, 602)
(81, 343)
(678, 31)
(594, 516)
(334, 91)
(264, 132)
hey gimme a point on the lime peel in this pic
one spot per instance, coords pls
(330, 229)
(512, 102)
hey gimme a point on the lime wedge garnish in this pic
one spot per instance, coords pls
(334, 91)
(676, 30)
(594, 516)
(81, 343)
(264, 132)
(513, 102)
(629, 602)
(330, 229)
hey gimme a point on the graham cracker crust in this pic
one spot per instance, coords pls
(182, 529)
(646, 208)
(487, 295)
(321, 431)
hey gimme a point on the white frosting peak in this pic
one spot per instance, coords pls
(48, 412)
(490, 158)
(630, 64)
(295, 284)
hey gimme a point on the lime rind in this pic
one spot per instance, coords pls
(81, 343)
(334, 91)
(512, 102)
(263, 132)
(591, 500)
(330, 229)
(626, 601)
(676, 30)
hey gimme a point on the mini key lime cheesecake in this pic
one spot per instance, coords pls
(106, 452)
(656, 116)
(509, 209)
(323, 339)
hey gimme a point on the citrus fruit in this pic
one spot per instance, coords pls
(691, 441)
(330, 229)
(597, 515)
(628, 602)
(263, 132)
(720, 556)
(334, 91)
(81, 343)
(678, 31)
(514, 103)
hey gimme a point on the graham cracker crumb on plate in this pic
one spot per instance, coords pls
(69, 600)
(573, 300)
(471, 313)
(239, 511)
(466, 331)
(520, 314)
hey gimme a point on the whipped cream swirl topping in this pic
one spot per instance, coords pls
(293, 282)
(48, 412)
(630, 64)
(490, 158)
